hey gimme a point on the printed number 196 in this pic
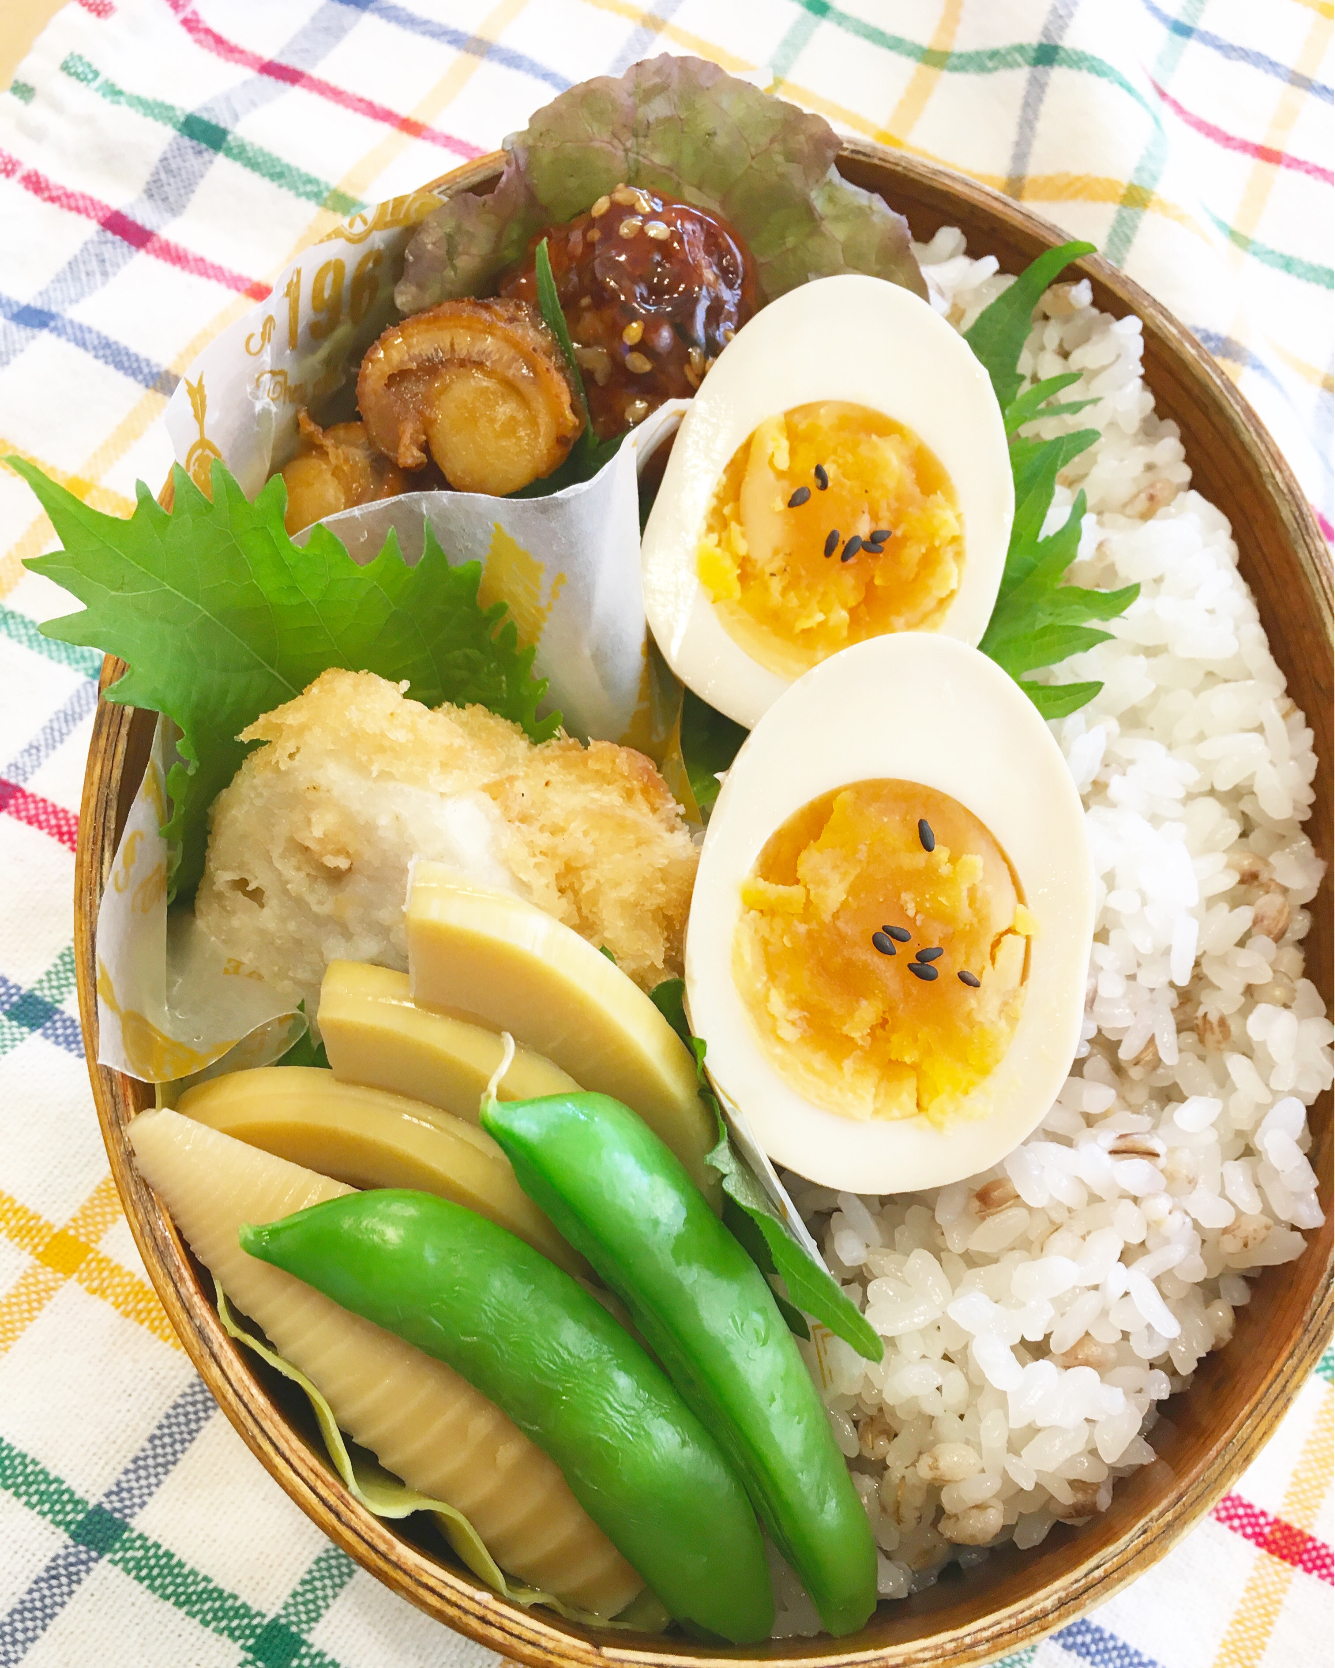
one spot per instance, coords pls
(327, 295)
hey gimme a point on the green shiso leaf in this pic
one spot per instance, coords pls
(681, 126)
(305, 1051)
(752, 1219)
(709, 744)
(1039, 620)
(221, 617)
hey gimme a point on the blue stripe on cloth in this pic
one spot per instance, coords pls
(177, 175)
(1055, 25)
(156, 378)
(61, 722)
(103, 1524)
(643, 36)
(27, 1012)
(1098, 1647)
(476, 46)
(1240, 54)
(1228, 347)
(28, 634)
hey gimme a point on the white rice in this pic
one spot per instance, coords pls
(1036, 1315)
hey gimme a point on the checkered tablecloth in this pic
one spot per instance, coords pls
(158, 159)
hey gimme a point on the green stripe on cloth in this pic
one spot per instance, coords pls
(20, 629)
(22, 91)
(983, 61)
(1308, 271)
(328, 1575)
(1149, 169)
(217, 138)
(266, 1641)
(1326, 1366)
(36, 1488)
(1020, 1659)
(800, 31)
(33, 1008)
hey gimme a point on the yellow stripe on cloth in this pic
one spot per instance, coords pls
(70, 1253)
(82, 486)
(1035, 188)
(1309, 373)
(682, 37)
(923, 82)
(1262, 1599)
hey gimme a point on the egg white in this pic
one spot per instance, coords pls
(927, 709)
(849, 338)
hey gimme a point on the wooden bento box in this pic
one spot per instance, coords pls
(1207, 1435)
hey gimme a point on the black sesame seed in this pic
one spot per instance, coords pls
(901, 933)
(799, 497)
(930, 955)
(923, 969)
(882, 943)
(832, 542)
(925, 834)
(970, 979)
(879, 536)
(851, 549)
(822, 479)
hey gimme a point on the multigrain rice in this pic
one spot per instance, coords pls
(1037, 1315)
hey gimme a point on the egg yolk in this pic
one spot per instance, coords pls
(853, 891)
(831, 524)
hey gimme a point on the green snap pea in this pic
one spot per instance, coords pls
(529, 1337)
(617, 1194)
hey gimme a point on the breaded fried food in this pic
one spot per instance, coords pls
(309, 846)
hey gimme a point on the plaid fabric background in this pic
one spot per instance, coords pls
(158, 158)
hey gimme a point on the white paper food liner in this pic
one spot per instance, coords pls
(169, 1003)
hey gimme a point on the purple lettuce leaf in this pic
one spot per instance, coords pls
(684, 127)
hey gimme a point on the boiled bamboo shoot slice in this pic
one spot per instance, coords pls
(416, 1415)
(498, 959)
(373, 1034)
(369, 1138)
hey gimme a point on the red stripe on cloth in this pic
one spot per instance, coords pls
(1325, 526)
(1281, 1540)
(200, 32)
(129, 231)
(39, 813)
(99, 8)
(1248, 147)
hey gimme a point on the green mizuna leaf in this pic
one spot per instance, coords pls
(1059, 700)
(589, 454)
(220, 618)
(753, 1220)
(1039, 620)
(997, 336)
(1033, 403)
(549, 304)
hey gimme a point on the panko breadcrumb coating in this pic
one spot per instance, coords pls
(309, 846)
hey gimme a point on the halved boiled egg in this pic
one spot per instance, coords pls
(890, 930)
(841, 475)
